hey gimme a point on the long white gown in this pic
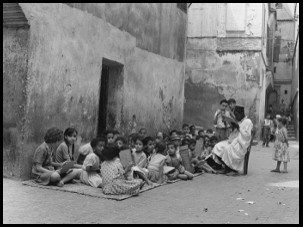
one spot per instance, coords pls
(233, 154)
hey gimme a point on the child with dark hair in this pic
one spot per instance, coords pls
(221, 125)
(267, 125)
(66, 150)
(110, 136)
(121, 142)
(173, 132)
(142, 132)
(281, 145)
(149, 145)
(176, 162)
(132, 141)
(156, 162)
(201, 134)
(185, 131)
(192, 129)
(114, 177)
(91, 165)
(116, 134)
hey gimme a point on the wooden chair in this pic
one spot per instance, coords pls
(246, 158)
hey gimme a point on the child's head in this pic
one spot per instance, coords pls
(138, 143)
(176, 139)
(160, 148)
(142, 132)
(160, 135)
(223, 104)
(159, 138)
(192, 129)
(209, 132)
(201, 133)
(120, 142)
(110, 136)
(98, 145)
(53, 136)
(185, 128)
(185, 142)
(173, 133)
(192, 144)
(267, 116)
(70, 136)
(149, 144)
(213, 140)
(171, 148)
(110, 152)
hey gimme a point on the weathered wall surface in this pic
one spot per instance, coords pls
(212, 76)
(15, 55)
(223, 60)
(66, 49)
(157, 27)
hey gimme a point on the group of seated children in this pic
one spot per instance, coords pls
(99, 164)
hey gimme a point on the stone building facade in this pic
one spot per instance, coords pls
(228, 56)
(69, 64)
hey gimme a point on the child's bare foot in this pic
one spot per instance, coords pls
(60, 184)
(284, 171)
(275, 170)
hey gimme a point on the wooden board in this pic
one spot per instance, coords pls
(126, 158)
(184, 153)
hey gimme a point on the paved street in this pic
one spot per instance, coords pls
(206, 199)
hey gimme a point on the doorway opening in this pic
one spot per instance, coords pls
(110, 99)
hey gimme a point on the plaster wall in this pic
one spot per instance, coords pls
(213, 76)
(158, 27)
(66, 49)
(15, 55)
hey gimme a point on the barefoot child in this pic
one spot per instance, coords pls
(114, 177)
(281, 153)
(91, 166)
(176, 162)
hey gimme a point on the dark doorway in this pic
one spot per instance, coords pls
(110, 95)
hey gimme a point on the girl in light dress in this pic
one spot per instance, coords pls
(114, 177)
(281, 152)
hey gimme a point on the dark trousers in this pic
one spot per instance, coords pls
(266, 135)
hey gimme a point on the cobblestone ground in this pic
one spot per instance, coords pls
(206, 199)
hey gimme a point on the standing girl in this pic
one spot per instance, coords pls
(281, 153)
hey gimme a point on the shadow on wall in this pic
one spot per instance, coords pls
(201, 103)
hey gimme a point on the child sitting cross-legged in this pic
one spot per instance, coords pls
(90, 174)
(156, 162)
(114, 177)
(173, 160)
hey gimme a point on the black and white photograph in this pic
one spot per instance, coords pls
(150, 113)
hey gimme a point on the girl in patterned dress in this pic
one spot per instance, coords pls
(114, 177)
(281, 153)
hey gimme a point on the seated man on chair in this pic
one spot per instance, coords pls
(230, 155)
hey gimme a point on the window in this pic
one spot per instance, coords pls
(182, 6)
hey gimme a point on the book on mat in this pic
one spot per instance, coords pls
(126, 158)
(66, 166)
(184, 153)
